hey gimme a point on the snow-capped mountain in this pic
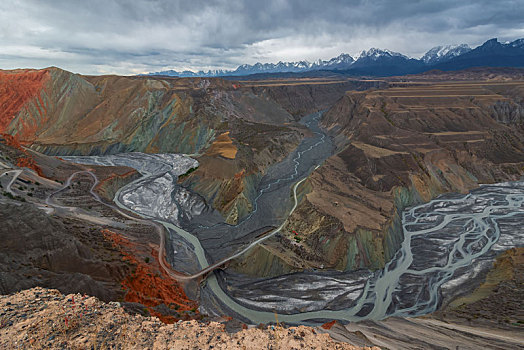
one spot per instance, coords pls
(490, 54)
(343, 61)
(380, 62)
(441, 54)
(519, 43)
(191, 74)
(279, 67)
(375, 54)
(384, 62)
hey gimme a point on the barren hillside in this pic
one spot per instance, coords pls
(45, 319)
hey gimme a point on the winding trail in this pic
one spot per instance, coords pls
(441, 238)
(267, 187)
(17, 173)
(159, 228)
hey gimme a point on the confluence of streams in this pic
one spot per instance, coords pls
(473, 234)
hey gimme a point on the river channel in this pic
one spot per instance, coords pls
(447, 242)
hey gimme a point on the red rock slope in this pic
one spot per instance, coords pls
(16, 89)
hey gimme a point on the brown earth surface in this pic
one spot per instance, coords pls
(498, 299)
(397, 147)
(80, 253)
(45, 319)
(223, 146)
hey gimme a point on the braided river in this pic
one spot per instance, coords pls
(447, 242)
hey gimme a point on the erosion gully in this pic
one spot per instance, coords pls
(447, 242)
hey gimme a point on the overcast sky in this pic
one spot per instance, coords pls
(129, 37)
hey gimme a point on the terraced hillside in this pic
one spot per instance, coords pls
(395, 146)
(398, 146)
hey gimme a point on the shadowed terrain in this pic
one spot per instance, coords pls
(397, 147)
(377, 148)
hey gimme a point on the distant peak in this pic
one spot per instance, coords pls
(375, 53)
(491, 43)
(440, 54)
(342, 61)
(343, 56)
(517, 43)
(372, 57)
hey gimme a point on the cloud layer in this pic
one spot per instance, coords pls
(124, 37)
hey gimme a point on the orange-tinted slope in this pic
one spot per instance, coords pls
(26, 160)
(17, 88)
(149, 284)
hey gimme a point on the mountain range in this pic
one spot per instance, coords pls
(380, 62)
(381, 152)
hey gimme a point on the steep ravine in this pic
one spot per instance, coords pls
(396, 147)
(235, 132)
(447, 243)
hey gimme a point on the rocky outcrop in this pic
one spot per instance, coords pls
(44, 318)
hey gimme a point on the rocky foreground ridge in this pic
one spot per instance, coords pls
(44, 318)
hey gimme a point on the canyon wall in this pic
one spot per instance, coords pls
(236, 133)
(397, 147)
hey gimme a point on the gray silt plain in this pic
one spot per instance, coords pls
(448, 243)
(273, 201)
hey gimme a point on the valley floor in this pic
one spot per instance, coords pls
(427, 333)
(403, 144)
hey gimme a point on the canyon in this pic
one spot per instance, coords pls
(334, 189)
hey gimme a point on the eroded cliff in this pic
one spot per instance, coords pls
(397, 147)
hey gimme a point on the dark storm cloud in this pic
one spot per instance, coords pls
(129, 37)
